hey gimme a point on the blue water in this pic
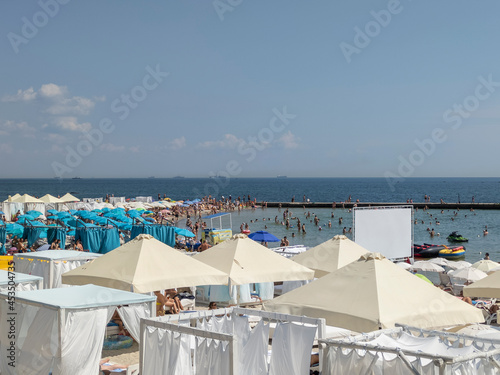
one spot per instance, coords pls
(267, 189)
(317, 190)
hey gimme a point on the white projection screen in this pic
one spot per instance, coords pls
(385, 230)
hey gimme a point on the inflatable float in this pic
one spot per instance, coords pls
(454, 252)
(245, 231)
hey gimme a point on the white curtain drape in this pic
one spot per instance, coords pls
(166, 352)
(131, 316)
(39, 341)
(81, 342)
(292, 345)
(34, 267)
(219, 324)
(211, 357)
(62, 266)
(251, 346)
(20, 287)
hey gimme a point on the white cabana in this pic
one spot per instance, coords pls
(62, 330)
(224, 343)
(51, 264)
(19, 281)
(26, 198)
(408, 350)
(374, 293)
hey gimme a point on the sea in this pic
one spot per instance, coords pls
(468, 223)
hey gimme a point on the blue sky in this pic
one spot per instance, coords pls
(254, 88)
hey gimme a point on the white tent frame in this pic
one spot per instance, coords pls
(358, 342)
(61, 313)
(165, 322)
(28, 279)
(51, 262)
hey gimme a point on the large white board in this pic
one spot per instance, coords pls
(385, 230)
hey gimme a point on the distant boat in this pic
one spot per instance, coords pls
(76, 178)
(179, 177)
(280, 176)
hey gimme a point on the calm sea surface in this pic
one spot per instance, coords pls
(470, 224)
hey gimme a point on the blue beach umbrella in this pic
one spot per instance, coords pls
(184, 232)
(34, 213)
(263, 236)
(98, 211)
(105, 209)
(147, 212)
(73, 212)
(2, 213)
(62, 215)
(15, 229)
(52, 217)
(29, 217)
(133, 213)
(53, 212)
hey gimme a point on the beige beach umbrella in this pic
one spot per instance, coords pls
(488, 287)
(469, 274)
(47, 198)
(144, 265)
(69, 198)
(403, 265)
(485, 265)
(439, 261)
(374, 293)
(330, 255)
(26, 198)
(458, 264)
(493, 270)
(247, 261)
(426, 266)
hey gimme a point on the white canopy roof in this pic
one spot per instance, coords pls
(47, 198)
(69, 198)
(81, 297)
(330, 255)
(26, 198)
(246, 261)
(145, 265)
(374, 293)
(13, 198)
(57, 255)
(17, 277)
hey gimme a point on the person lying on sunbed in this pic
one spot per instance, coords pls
(107, 367)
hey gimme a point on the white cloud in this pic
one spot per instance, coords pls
(21, 96)
(289, 141)
(10, 127)
(71, 123)
(51, 90)
(177, 143)
(134, 149)
(56, 138)
(109, 147)
(56, 100)
(76, 105)
(229, 142)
